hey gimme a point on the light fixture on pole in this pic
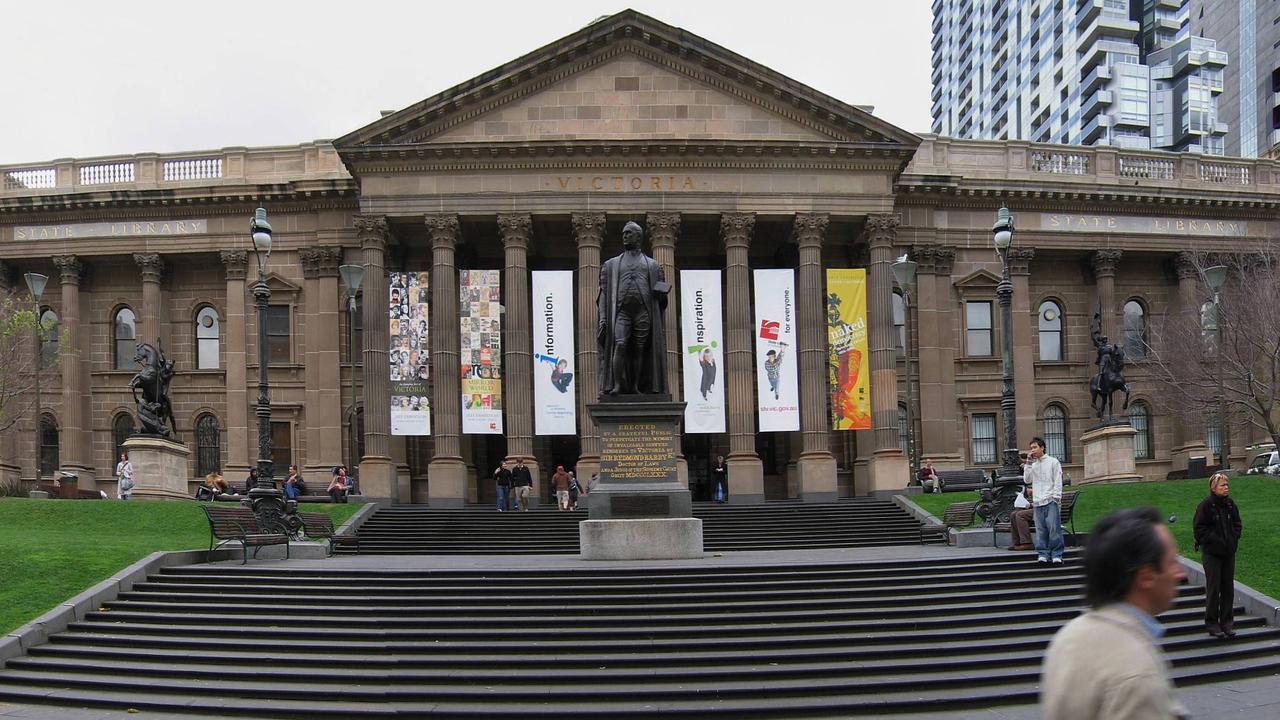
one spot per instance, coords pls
(36, 283)
(1215, 277)
(352, 276)
(904, 271)
(266, 500)
(1002, 238)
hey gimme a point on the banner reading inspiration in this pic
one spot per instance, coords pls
(481, 351)
(778, 388)
(848, 365)
(703, 341)
(410, 354)
(554, 410)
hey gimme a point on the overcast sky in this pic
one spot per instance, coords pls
(90, 78)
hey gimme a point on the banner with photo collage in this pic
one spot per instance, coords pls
(480, 315)
(702, 338)
(848, 361)
(410, 356)
(777, 382)
(554, 389)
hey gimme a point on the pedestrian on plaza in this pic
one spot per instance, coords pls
(928, 477)
(560, 483)
(294, 485)
(502, 483)
(1044, 474)
(1217, 531)
(720, 481)
(575, 491)
(1106, 664)
(522, 484)
(1020, 520)
(124, 477)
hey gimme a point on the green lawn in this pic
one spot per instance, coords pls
(51, 550)
(1258, 497)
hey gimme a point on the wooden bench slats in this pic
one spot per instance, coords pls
(320, 525)
(957, 515)
(1066, 511)
(239, 523)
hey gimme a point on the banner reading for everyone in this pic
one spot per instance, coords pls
(848, 366)
(703, 341)
(554, 409)
(481, 351)
(409, 354)
(777, 383)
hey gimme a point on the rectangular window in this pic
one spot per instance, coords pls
(281, 448)
(982, 433)
(978, 328)
(278, 335)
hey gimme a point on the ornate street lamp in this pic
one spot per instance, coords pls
(36, 283)
(904, 271)
(1215, 277)
(1002, 237)
(352, 275)
(266, 500)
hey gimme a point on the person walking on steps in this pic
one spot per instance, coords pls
(560, 483)
(522, 484)
(720, 481)
(1217, 531)
(1044, 474)
(502, 484)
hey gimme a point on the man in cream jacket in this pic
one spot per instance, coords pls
(1107, 664)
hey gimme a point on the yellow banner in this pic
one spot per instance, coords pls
(848, 366)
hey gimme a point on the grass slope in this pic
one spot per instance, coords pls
(51, 550)
(1258, 497)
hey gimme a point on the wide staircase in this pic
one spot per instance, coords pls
(789, 525)
(360, 638)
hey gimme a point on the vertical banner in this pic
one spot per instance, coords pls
(703, 340)
(410, 354)
(554, 409)
(479, 310)
(848, 367)
(777, 383)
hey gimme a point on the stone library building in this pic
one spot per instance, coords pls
(482, 216)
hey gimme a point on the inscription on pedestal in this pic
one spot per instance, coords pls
(639, 506)
(638, 452)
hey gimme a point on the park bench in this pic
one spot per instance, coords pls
(1066, 511)
(320, 525)
(957, 515)
(239, 523)
(68, 492)
(962, 480)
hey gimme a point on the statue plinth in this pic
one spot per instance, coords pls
(159, 468)
(639, 510)
(1109, 454)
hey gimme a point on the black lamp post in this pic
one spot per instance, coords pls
(1002, 236)
(904, 271)
(36, 283)
(266, 500)
(1216, 277)
(352, 275)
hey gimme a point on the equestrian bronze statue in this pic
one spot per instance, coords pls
(633, 294)
(155, 412)
(1110, 376)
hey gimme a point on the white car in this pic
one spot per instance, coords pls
(1266, 462)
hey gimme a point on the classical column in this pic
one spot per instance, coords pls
(517, 351)
(936, 342)
(10, 466)
(151, 265)
(1024, 367)
(447, 474)
(1188, 437)
(664, 230)
(322, 364)
(75, 451)
(377, 472)
(746, 472)
(816, 469)
(588, 232)
(237, 420)
(890, 469)
(1104, 270)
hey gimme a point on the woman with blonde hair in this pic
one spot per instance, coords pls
(1217, 530)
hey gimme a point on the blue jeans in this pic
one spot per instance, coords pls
(291, 491)
(1049, 541)
(502, 497)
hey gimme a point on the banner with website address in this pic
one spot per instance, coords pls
(848, 366)
(777, 382)
(702, 337)
(410, 354)
(554, 389)
(479, 311)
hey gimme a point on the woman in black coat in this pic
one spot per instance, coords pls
(1217, 529)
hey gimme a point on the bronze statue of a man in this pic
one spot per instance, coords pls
(633, 294)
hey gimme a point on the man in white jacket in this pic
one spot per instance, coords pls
(1044, 474)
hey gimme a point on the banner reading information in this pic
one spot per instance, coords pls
(479, 311)
(848, 366)
(409, 355)
(777, 384)
(702, 337)
(554, 409)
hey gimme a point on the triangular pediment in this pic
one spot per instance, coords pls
(980, 279)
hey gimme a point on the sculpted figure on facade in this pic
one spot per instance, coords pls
(1110, 375)
(633, 294)
(155, 411)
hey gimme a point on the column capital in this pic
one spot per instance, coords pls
(934, 259)
(1020, 260)
(320, 261)
(515, 229)
(443, 229)
(235, 261)
(588, 228)
(809, 229)
(1184, 263)
(736, 228)
(151, 265)
(882, 229)
(70, 267)
(1104, 262)
(371, 230)
(663, 227)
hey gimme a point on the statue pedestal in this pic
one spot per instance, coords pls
(639, 511)
(1108, 454)
(159, 468)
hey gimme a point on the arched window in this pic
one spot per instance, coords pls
(1213, 434)
(1050, 322)
(900, 324)
(49, 331)
(121, 430)
(1135, 330)
(1140, 419)
(48, 446)
(125, 336)
(355, 439)
(208, 445)
(207, 334)
(904, 430)
(1055, 432)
